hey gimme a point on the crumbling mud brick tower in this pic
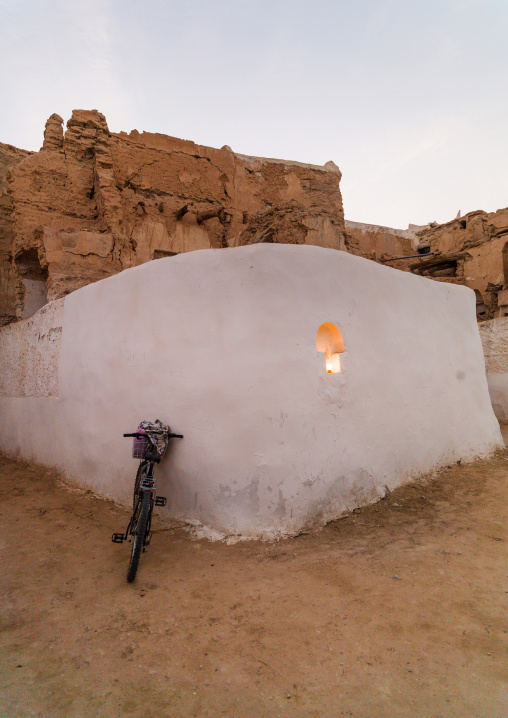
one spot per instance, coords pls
(91, 203)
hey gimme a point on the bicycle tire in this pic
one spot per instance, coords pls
(139, 536)
(137, 482)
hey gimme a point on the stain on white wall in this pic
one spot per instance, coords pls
(221, 345)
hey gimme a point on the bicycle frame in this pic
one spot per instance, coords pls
(147, 483)
(139, 527)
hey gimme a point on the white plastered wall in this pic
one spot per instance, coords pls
(221, 344)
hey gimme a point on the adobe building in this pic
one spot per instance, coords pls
(92, 203)
(306, 381)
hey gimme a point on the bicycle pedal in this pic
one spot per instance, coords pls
(160, 501)
(118, 538)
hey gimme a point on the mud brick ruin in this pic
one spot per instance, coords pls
(91, 203)
(470, 250)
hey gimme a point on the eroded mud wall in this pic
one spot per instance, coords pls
(92, 203)
(380, 243)
(9, 284)
(473, 251)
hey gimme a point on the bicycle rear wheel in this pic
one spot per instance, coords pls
(139, 532)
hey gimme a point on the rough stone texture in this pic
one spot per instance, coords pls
(29, 354)
(56, 196)
(470, 250)
(494, 336)
(53, 134)
(92, 203)
(273, 443)
(381, 243)
(9, 282)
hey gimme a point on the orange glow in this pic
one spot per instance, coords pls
(333, 364)
(329, 341)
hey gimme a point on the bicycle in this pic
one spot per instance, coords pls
(149, 445)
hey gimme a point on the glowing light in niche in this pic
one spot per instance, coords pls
(333, 364)
(329, 340)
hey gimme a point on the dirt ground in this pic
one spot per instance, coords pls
(397, 610)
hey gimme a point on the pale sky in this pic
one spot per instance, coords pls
(408, 97)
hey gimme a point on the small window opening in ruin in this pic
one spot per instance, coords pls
(423, 250)
(180, 213)
(445, 268)
(463, 224)
(34, 278)
(481, 309)
(161, 253)
(329, 340)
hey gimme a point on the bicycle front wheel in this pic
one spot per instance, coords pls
(140, 472)
(139, 532)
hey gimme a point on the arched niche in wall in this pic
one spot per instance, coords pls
(329, 341)
(34, 279)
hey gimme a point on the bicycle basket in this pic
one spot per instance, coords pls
(158, 433)
(141, 447)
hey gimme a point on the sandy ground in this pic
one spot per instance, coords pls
(398, 610)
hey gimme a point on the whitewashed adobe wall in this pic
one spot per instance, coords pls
(221, 344)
